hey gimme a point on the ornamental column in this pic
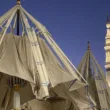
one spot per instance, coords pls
(107, 51)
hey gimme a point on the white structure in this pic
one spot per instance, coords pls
(107, 50)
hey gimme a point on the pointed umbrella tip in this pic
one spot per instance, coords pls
(18, 2)
(88, 46)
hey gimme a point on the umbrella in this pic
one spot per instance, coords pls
(32, 58)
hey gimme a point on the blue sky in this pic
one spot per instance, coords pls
(72, 23)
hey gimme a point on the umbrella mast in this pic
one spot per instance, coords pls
(18, 16)
(16, 97)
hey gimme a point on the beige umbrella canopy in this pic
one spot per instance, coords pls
(32, 56)
(93, 73)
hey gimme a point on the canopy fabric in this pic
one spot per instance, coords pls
(77, 97)
(41, 105)
(16, 57)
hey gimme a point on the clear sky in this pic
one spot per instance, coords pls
(71, 22)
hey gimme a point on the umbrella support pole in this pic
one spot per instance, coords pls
(16, 98)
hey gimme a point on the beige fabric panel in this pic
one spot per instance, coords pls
(37, 105)
(59, 105)
(78, 97)
(40, 105)
(101, 94)
(43, 105)
(56, 73)
(10, 62)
